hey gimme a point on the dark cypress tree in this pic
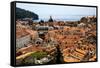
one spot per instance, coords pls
(50, 20)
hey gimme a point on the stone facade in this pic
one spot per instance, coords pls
(22, 41)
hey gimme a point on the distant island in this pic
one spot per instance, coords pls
(21, 13)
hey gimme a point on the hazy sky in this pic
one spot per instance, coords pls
(44, 11)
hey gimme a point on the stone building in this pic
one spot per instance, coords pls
(22, 40)
(22, 37)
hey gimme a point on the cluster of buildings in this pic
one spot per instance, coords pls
(29, 42)
(64, 41)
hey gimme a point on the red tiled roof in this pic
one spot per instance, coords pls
(21, 33)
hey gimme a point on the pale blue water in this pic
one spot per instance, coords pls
(67, 18)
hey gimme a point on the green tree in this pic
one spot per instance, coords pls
(39, 55)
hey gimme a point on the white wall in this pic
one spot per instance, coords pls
(5, 34)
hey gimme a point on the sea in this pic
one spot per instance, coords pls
(67, 18)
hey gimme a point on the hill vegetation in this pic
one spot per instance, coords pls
(21, 13)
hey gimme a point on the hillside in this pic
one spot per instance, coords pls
(21, 13)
